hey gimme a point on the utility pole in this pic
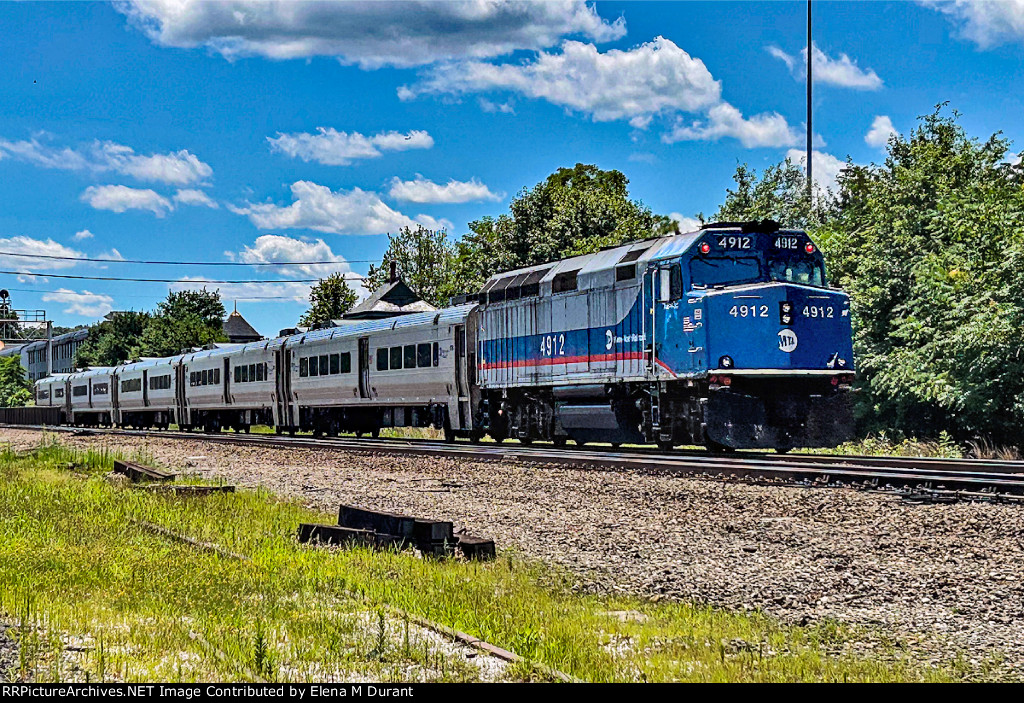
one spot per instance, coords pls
(810, 128)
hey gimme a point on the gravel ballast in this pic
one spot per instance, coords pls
(945, 580)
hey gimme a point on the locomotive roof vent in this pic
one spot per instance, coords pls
(746, 227)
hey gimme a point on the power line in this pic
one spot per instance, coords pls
(121, 295)
(349, 276)
(101, 260)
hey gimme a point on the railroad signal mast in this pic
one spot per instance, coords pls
(21, 326)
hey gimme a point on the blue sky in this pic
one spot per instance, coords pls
(266, 132)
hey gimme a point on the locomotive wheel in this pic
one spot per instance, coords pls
(559, 440)
(375, 432)
(665, 446)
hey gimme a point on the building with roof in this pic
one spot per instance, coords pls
(393, 298)
(238, 330)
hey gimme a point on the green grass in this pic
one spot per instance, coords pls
(882, 445)
(74, 568)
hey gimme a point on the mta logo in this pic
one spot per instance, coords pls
(787, 340)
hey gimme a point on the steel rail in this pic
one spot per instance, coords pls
(803, 469)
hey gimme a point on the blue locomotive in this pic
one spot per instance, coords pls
(728, 337)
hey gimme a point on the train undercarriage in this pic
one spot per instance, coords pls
(721, 414)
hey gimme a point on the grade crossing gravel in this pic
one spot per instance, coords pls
(945, 582)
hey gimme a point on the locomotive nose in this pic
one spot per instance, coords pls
(780, 327)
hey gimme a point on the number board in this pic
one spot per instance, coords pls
(734, 241)
(789, 243)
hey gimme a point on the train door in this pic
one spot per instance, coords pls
(364, 367)
(145, 388)
(284, 387)
(115, 405)
(227, 381)
(179, 394)
(649, 302)
(461, 380)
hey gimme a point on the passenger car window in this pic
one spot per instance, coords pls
(335, 364)
(410, 356)
(423, 355)
(323, 365)
(314, 369)
(346, 363)
(396, 358)
(382, 359)
(303, 367)
(436, 354)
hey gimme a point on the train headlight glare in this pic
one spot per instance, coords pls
(725, 362)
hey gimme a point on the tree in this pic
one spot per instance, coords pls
(423, 258)
(112, 341)
(573, 211)
(186, 319)
(930, 246)
(779, 193)
(15, 389)
(329, 299)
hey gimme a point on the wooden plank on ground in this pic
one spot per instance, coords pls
(137, 472)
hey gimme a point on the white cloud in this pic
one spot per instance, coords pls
(371, 34)
(508, 107)
(319, 208)
(987, 23)
(423, 190)
(842, 71)
(333, 148)
(275, 247)
(881, 130)
(174, 168)
(654, 78)
(177, 168)
(82, 235)
(825, 167)
(724, 120)
(85, 303)
(191, 196)
(30, 246)
(118, 198)
(686, 224)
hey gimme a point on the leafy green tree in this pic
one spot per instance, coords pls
(573, 211)
(15, 389)
(423, 258)
(112, 341)
(329, 299)
(930, 246)
(778, 193)
(186, 319)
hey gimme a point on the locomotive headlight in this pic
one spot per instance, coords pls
(725, 362)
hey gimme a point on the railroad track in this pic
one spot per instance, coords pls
(925, 477)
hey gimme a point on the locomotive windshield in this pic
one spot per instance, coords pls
(806, 271)
(719, 271)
